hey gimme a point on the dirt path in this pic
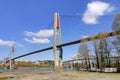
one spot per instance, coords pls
(68, 75)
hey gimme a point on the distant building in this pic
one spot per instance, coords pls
(6, 59)
(40, 61)
(81, 56)
(1, 61)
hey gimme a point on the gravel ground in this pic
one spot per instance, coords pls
(68, 75)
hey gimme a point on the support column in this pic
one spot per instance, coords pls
(57, 60)
(60, 49)
(11, 63)
(55, 49)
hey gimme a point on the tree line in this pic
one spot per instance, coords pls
(106, 49)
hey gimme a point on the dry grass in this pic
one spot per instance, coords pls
(67, 75)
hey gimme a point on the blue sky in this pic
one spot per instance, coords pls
(29, 24)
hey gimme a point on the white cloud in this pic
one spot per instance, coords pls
(18, 44)
(40, 37)
(84, 36)
(6, 43)
(38, 40)
(9, 43)
(41, 33)
(28, 33)
(95, 9)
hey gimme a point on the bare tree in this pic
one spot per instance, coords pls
(116, 26)
(83, 49)
(116, 22)
(96, 53)
(103, 53)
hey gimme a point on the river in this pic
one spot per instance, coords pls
(32, 70)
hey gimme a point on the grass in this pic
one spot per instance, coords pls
(67, 75)
(4, 78)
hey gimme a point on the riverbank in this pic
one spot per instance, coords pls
(66, 75)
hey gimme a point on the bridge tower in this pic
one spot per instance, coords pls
(57, 36)
(11, 63)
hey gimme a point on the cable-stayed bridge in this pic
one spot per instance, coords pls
(110, 34)
(55, 47)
